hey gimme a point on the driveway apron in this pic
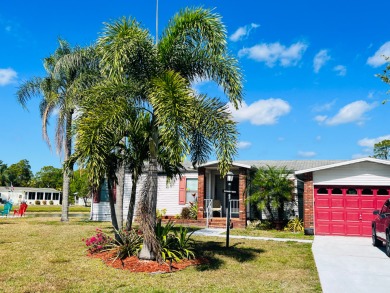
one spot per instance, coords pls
(351, 264)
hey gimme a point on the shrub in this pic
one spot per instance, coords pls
(99, 242)
(37, 202)
(129, 244)
(178, 216)
(260, 225)
(44, 202)
(160, 213)
(294, 225)
(51, 202)
(193, 210)
(185, 213)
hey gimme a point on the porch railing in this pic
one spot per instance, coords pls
(234, 207)
(208, 203)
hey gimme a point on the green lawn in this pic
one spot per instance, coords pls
(270, 233)
(45, 255)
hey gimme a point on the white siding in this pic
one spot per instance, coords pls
(167, 195)
(101, 211)
(363, 173)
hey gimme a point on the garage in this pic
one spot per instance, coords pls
(339, 198)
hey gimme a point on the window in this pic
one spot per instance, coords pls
(337, 191)
(31, 195)
(56, 196)
(39, 195)
(47, 196)
(351, 191)
(383, 192)
(322, 191)
(191, 190)
(367, 191)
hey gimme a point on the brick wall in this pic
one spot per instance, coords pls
(242, 193)
(201, 191)
(308, 203)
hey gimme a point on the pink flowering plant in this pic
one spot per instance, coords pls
(99, 242)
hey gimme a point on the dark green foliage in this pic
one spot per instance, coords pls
(382, 150)
(185, 213)
(48, 176)
(129, 243)
(19, 174)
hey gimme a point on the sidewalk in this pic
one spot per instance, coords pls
(213, 232)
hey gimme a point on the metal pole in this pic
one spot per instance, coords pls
(156, 22)
(228, 213)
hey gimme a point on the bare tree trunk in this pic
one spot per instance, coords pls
(151, 247)
(119, 194)
(112, 206)
(66, 177)
(130, 214)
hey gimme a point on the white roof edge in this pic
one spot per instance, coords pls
(345, 163)
(233, 164)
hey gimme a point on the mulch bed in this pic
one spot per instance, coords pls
(133, 264)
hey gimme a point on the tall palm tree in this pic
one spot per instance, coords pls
(193, 46)
(153, 81)
(59, 90)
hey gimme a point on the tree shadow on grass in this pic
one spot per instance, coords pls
(211, 250)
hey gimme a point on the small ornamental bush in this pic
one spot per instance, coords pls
(51, 202)
(38, 202)
(294, 225)
(99, 242)
(129, 244)
(193, 210)
(185, 213)
(44, 202)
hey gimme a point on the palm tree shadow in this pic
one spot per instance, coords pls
(211, 252)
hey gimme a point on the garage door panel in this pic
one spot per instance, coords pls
(337, 229)
(337, 202)
(337, 216)
(352, 203)
(369, 203)
(322, 202)
(323, 229)
(323, 215)
(353, 229)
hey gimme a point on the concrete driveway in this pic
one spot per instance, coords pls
(351, 264)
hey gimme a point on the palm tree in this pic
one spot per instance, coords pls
(152, 81)
(272, 188)
(59, 90)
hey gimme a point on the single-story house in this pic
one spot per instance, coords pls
(334, 197)
(30, 195)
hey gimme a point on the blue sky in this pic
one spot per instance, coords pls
(309, 67)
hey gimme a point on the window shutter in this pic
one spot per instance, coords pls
(182, 190)
(96, 196)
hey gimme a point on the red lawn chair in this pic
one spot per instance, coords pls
(22, 210)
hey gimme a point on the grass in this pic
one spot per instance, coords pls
(51, 209)
(46, 255)
(271, 233)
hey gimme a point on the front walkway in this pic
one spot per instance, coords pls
(219, 233)
(351, 264)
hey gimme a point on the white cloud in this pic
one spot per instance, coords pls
(324, 107)
(274, 53)
(244, 144)
(242, 32)
(320, 118)
(7, 76)
(369, 142)
(353, 112)
(306, 154)
(341, 70)
(378, 58)
(261, 112)
(320, 59)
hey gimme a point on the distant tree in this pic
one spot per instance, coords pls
(48, 176)
(79, 185)
(3, 174)
(19, 174)
(272, 188)
(382, 149)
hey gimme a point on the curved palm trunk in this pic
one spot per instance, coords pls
(66, 177)
(130, 214)
(110, 185)
(119, 195)
(148, 205)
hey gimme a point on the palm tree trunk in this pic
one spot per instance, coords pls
(130, 214)
(148, 205)
(110, 184)
(119, 195)
(66, 177)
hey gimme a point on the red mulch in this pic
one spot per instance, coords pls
(134, 264)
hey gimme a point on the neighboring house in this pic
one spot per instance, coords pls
(206, 186)
(30, 195)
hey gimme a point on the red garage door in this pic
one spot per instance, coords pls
(346, 210)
